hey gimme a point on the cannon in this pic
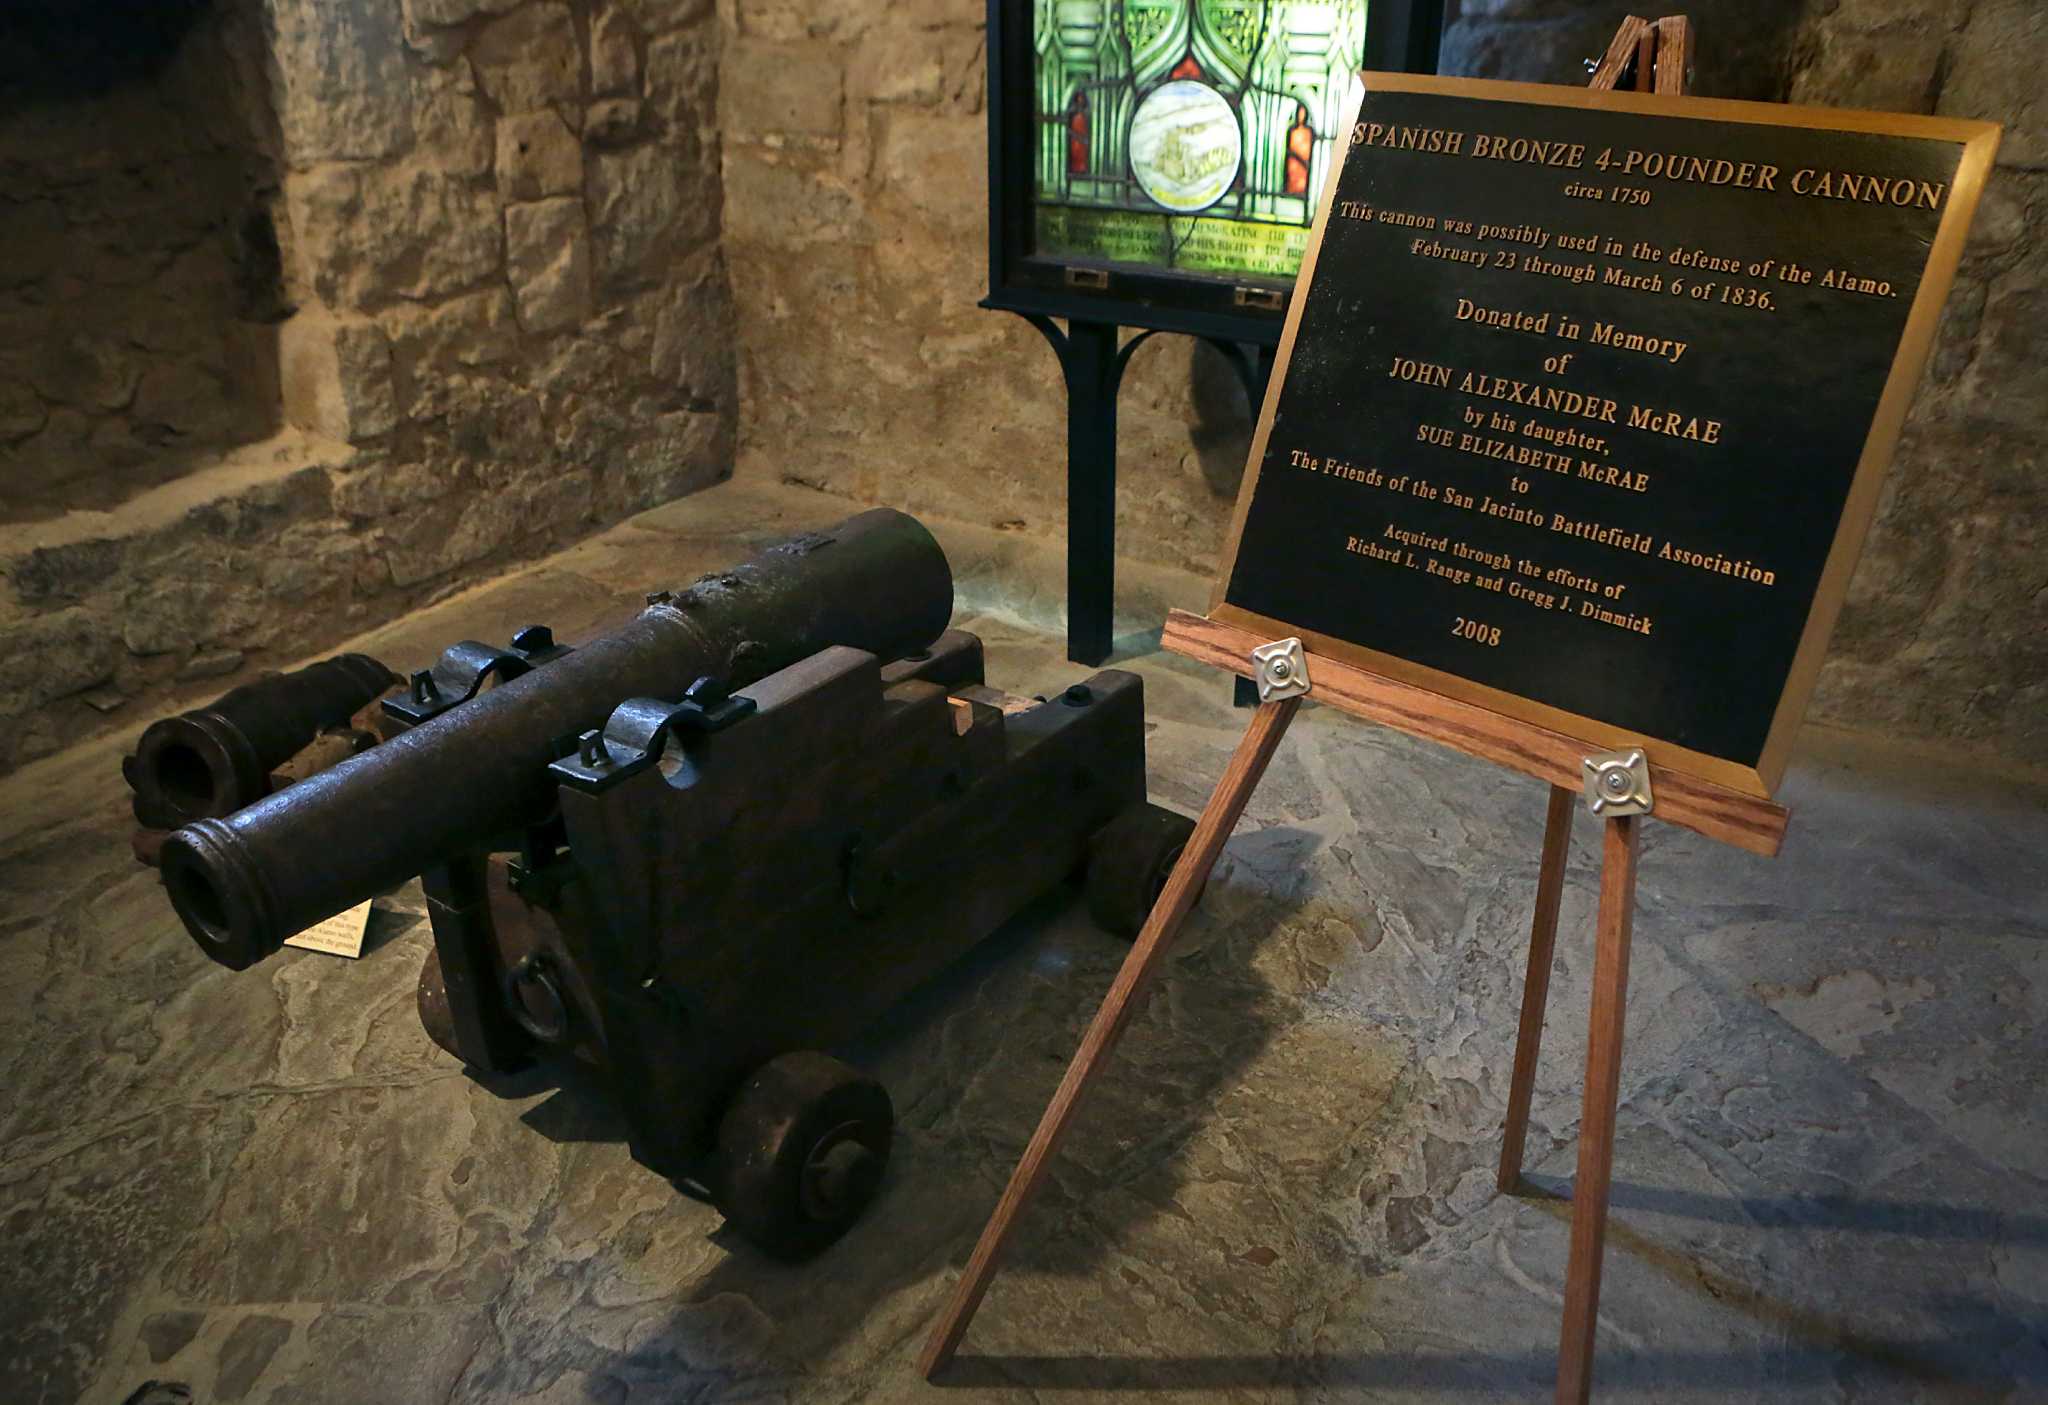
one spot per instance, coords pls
(481, 727)
(700, 852)
(217, 759)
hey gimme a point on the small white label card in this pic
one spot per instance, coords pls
(340, 935)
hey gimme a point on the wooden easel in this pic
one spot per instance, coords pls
(1658, 51)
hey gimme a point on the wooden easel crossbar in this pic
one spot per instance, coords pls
(1658, 54)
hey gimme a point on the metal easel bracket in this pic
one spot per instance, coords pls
(1281, 669)
(1618, 783)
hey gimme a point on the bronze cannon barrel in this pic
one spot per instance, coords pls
(478, 772)
(216, 759)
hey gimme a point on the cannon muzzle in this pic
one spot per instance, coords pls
(475, 777)
(216, 759)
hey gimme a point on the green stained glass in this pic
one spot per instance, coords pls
(1188, 134)
(1145, 22)
(1239, 23)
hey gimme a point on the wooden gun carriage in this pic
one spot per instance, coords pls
(743, 885)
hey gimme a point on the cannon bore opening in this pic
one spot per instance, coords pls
(186, 780)
(198, 901)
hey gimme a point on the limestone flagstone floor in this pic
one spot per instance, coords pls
(269, 1186)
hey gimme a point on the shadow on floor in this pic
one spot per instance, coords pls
(1966, 1355)
(1920, 1218)
(1964, 1360)
(988, 1026)
(1985, 1350)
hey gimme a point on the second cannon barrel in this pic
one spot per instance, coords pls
(216, 759)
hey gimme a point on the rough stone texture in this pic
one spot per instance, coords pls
(538, 156)
(139, 271)
(168, 1333)
(452, 12)
(1943, 635)
(781, 91)
(325, 318)
(53, 656)
(378, 234)
(531, 59)
(1828, 1174)
(547, 257)
(1745, 46)
(614, 55)
(344, 91)
(336, 378)
(612, 122)
(642, 220)
(246, 1353)
(855, 167)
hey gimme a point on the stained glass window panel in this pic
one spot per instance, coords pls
(1192, 135)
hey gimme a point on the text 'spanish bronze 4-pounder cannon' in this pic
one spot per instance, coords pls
(698, 850)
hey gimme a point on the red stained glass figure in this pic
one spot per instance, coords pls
(1077, 135)
(1186, 68)
(1301, 144)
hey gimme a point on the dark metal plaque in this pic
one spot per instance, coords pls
(1582, 409)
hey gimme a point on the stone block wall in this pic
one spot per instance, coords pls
(497, 318)
(139, 265)
(855, 174)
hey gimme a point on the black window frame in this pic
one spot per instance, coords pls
(1401, 36)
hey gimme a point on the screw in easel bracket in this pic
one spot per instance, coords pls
(1280, 669)
(1618, 784)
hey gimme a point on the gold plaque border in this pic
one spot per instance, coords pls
(1980, 145)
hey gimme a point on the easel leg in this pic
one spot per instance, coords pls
(1662, 51)
(1557, 834)
(1218, 818)
(1596, 1125)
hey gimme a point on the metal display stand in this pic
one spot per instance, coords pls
(1621, 788)
(1092, 360)
(1097, 302)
